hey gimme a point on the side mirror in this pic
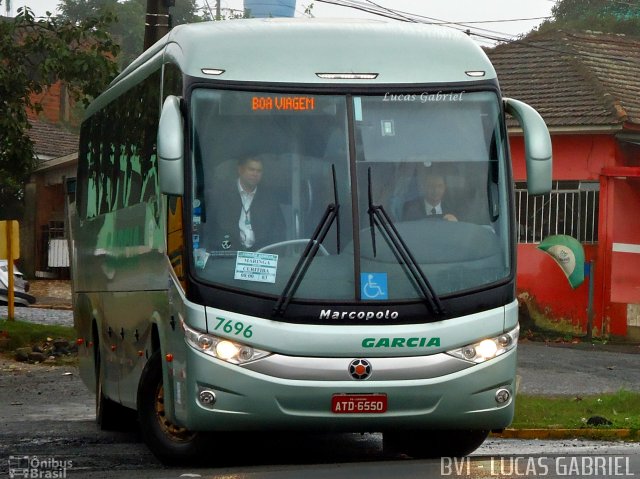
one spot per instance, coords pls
(537, 145)
(171, 148)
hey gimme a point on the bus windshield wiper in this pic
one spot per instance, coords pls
(331, 214)
(379, 218)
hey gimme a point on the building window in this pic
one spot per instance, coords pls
(570, 209)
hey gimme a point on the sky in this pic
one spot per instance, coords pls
(496, 12)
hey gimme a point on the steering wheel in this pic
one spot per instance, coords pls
(322, 250)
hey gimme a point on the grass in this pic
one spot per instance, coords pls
(564, 412)
(19, 334)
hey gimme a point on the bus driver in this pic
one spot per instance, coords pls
(246, 215)
(433, 203)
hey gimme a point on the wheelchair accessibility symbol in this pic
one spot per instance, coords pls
(374, 286)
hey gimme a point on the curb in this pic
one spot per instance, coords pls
(63, 307)
(587, 433)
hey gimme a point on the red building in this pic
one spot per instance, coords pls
(587, 88)
(42, 229)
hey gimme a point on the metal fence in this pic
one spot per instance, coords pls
(570, 209)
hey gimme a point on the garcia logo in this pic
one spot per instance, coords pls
(400, 342)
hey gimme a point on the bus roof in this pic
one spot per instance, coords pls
(296, 50)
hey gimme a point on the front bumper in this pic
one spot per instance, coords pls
(461, 398)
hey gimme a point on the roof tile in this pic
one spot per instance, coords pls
(52, 140)
(571, 78)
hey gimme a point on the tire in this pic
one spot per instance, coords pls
(433, 444)
(171, 444)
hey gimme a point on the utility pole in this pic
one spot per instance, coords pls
(218, 12)
(157, 21)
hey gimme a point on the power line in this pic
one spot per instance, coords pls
(491, 35)
(406, 16)
(506, 20)
(391, 11)
(363, 8)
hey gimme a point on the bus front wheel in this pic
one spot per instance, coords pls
(433, 444)
(170, 443)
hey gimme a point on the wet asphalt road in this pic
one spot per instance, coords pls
(47, 412)
(577, 369)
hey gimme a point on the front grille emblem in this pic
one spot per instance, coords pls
(360, 369)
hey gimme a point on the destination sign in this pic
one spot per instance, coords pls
(284, 103)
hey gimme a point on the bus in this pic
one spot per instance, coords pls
(246, 252)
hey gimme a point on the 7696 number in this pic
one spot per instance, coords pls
(236, 327)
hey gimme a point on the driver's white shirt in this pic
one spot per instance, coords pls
(247, 236)
(428, 207)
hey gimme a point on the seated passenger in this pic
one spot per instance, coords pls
(245, 214)
(433, 202)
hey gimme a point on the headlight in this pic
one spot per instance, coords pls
(221, 348)
(487, 348)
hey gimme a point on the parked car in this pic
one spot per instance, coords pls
(20, 286)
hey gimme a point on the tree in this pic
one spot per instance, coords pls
(36, 53)
(600, 15)
(128, 27)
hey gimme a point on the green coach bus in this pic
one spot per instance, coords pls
(302, 225)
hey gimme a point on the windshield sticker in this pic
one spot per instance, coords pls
(388, 128)
(373, 286)
(200, 257)
(261, 267)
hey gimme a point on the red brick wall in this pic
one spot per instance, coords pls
(51, 100)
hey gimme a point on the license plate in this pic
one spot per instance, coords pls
(358, 403)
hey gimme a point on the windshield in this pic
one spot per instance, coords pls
(274, 174)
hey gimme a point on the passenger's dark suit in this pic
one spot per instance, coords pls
(415, 210)
(224, 213)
